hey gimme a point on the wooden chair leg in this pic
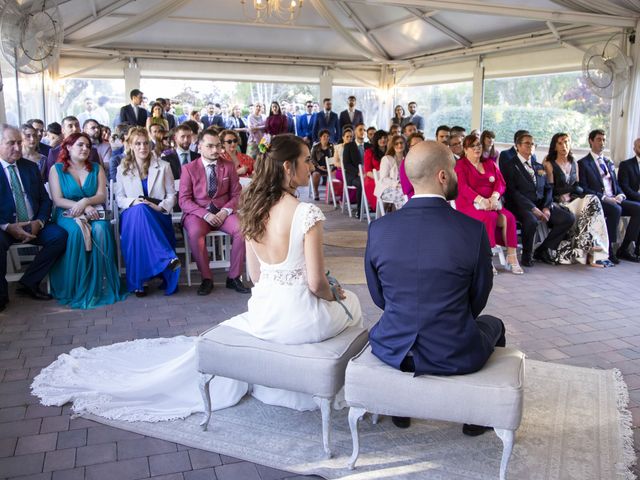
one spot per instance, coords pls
(507, 437)
(325, 411)
(205, 380)
(355, 414)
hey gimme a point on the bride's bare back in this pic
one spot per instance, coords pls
(274, 244)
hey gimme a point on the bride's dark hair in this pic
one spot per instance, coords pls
(266, 186)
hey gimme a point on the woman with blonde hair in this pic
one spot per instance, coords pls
(145, 191)
(388, 186)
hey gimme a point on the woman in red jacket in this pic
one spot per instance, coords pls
(372, 158)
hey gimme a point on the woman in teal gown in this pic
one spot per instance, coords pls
(86, 276)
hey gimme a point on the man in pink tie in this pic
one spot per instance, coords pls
(209, 195)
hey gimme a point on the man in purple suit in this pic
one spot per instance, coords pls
(209, 195)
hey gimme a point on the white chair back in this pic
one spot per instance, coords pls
(329, 163)
(364, 203)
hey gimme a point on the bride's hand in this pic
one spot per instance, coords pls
(340, 293)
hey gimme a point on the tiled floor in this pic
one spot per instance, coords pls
(577, 315)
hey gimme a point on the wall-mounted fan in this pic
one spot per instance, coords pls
(606, 69)
(30, 38)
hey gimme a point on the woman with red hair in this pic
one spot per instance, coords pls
(86, 276)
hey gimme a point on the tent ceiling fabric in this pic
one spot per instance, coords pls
(344, 34)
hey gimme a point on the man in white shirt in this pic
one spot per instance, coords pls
(350, 116)
(598, 177)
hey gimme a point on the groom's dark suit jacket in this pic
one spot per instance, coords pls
(429, 268)
(629, 178)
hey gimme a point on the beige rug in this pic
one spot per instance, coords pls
(575, 427)
(345, 238)
(348, 270)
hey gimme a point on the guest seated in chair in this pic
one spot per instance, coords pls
(87, 275)
(388, 188)
(598, 177)
(629, 179)
(529, 197)
(24, 215)
(481, 187)
(372, 158)
(432, 291)
(321, 150)
(588, 241)
(146, 193)
(338, 150)
(405, 183)
(242, 162)
(352, 156)
(209, 194)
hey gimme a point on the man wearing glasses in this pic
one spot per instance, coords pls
(455, 145)
(529, 197)
(304, 123)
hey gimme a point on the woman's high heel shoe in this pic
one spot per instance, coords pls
(495, 272)
(515, 267)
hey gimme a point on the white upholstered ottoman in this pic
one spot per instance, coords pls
(491, 397)
(317, 369)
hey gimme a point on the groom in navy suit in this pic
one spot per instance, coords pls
(25, 208)
(433, 289)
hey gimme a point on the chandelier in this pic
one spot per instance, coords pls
(286, 11)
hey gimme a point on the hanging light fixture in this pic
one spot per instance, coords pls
(285, 11)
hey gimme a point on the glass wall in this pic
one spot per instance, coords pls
(85, 98)
(366, 100)
(29, 95)
(443, 104)
(544, 105)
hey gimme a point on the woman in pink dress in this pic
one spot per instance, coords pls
(480, 189)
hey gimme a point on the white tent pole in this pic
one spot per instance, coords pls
(478, 95)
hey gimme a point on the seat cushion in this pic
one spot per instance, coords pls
(314, 368)
(491, 396)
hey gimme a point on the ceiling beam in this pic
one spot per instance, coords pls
(321, 7)
(485, 8)
(362, 28)
(459, 39)
(93, 8)
(112, 7)
(136, 22)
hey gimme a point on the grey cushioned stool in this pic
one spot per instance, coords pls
(490, 397)
(313, 368)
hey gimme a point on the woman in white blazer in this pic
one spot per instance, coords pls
(146, 195)
(388, 187)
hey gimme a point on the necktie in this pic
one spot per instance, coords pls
(183, 158)
(603, 167)
(326, 117)
(213, 181)
(361, 150)
(18, 196)
(210, 119)
(529, 168)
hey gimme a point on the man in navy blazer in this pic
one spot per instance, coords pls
(352, 156)
(530, 198)
(181, 155)
(350, 116)
(134, 113)
(432, 289)
(213, 118)
(25, 208)
(598, 177)
(508, 155)
(326, 119)
(304, 124)
(629, 175)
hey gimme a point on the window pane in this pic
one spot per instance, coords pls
(544, 105)
(443, 104)
(366, 101)
(10, 92)
(30, 95)
(187, 94)
(86, 98)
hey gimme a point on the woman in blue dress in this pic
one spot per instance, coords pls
(86, 276)
(145, 190)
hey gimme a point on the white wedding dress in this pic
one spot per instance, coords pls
(157, 379)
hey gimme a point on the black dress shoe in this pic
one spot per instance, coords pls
(205, 287)
(527, 262)
(401, 422)
(141, 293)
(237, 285)
(613, 258)
(543, 255)
(628, 256)
(33, 292)
(174, 264)
(474, 430)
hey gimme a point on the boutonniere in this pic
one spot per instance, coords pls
(492, 179)
(541, 172)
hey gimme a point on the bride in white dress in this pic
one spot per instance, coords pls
(291, 302)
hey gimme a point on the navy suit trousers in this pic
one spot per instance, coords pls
(53, 240)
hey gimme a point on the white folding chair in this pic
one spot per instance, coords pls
(17, 255)
(218, 246)
(380, 210)
(115, 222)
(364, 203)
(329, 163)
